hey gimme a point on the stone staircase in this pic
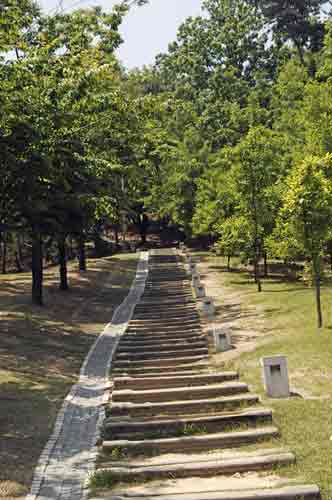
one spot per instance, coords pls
(176, 429)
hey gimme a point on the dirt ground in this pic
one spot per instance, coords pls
(246, 322)
(41, 352)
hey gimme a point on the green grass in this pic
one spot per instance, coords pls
(288, 311)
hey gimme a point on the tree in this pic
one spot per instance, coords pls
(305, 218)
(258, 171)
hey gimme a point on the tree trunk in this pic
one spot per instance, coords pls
(143, 228)
(18, 253)
(317, 281)
(331, 259)
(4, 253)
(63, 263)
(81, 254)
(266, 271)
(116, 236)
(256, 269)
(228, 262)
(37, 268)
(71, 248)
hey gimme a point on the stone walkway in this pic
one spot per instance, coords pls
(70, 453)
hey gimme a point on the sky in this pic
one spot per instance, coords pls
(147, 30)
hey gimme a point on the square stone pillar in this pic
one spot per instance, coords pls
(192, 268)
(275, 374)
(200, 291)
(208, 308)
(222, 340)
(195, 280)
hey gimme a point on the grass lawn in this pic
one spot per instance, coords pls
(288, 312)
(41, 352)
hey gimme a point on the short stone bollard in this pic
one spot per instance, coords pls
(222, 340)
(200, 291)
(208, 308)
(275, 375)
(192, 269)
(195, 280)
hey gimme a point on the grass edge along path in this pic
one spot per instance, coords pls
(286, 311)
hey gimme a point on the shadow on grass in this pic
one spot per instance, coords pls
(41, 352)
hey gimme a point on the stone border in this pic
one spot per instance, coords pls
(92, 386)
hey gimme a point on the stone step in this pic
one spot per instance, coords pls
(138, 374)
(180, 393)
(167, 292)
(289, 492)
(199, 468)
(218, 440)
(167, 316)
(148, 355)
(162, 334)
(173, 381)
(169, 323)
(179, 301)
(158, 371)
(162, 345)
(190, 407)
(158, 362)
(131, 429)
(181, 308)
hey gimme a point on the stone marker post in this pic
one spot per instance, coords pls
(199, 291)
(275, 374)
(222, 340)
(208, 308)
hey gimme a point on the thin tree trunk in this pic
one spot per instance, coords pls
(331, 259)
(317, 280)
(116, 236)
(256, 269)
(18, 253)
(266, 271)
(63, 263)
(228, 262)
(37, 268)
(71, 248)
(4, 253)
(81, 253)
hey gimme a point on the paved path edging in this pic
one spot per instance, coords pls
(70, 454)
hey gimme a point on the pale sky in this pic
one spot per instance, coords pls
(147, 30)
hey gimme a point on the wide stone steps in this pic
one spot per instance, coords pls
(140, 335)
(289, 492)
(219, 440)
(181, 352)
(180, 393)
(126, 429)
(186, 407)
(132, 346)
(190, 380)
(216, 465)
(154, 371)
(164, 361)
(177, 426)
